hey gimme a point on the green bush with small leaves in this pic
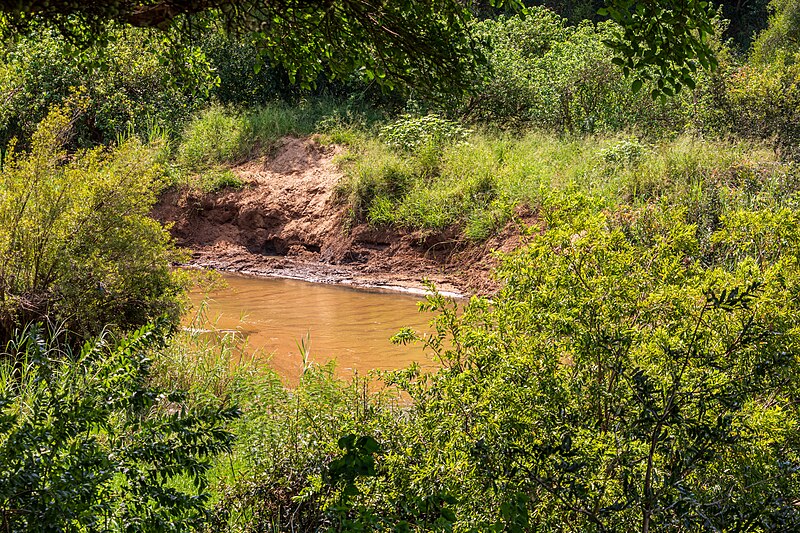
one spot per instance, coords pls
(413, 134)
(756, 97)
(77, 244)
(618, 380)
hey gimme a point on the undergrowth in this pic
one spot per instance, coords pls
(273, 478)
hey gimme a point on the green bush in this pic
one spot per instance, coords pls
(779, 39)
(245, 79)
(628, 372)
(615, 382)
(757, 99)
(547, 74)
(626, 152)
(240, 83)
(415, 133)
(86, 444)
(763, 102)
(76, 243)
(127, 86)
(627, 376)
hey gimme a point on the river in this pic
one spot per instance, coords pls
(352, 326)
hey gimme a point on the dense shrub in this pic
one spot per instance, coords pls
(244, 79)
(273, 480)
(757, 99)
(781, 35)
(76, 242)
(764, 102)
(240, 82)
(616, 382)
(128, 85)
(86, 444)
(547, 74)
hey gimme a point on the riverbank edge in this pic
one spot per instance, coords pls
(286, 220)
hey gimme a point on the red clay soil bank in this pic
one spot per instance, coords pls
(287, 222)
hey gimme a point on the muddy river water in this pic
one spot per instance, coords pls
(349, 325)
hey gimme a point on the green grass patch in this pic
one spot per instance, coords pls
(220, 135)
(217, 179)
(476, 184)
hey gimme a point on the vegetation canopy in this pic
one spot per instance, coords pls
(408, 40)
(427, 43)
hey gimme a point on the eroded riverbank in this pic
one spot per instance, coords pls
(286, 221)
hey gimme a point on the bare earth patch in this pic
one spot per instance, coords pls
(287, 222)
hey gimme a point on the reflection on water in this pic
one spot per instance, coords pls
(349, 325)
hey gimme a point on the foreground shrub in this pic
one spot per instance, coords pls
(76, 242)
(617, 382)
(87, 445)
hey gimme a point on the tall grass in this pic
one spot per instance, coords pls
(285, 436)
(476, 185)
(225, 135)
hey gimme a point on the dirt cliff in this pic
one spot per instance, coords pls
(286, 221)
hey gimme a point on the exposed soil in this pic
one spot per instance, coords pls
(287, 222)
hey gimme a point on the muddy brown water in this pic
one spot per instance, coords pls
(352, 326)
